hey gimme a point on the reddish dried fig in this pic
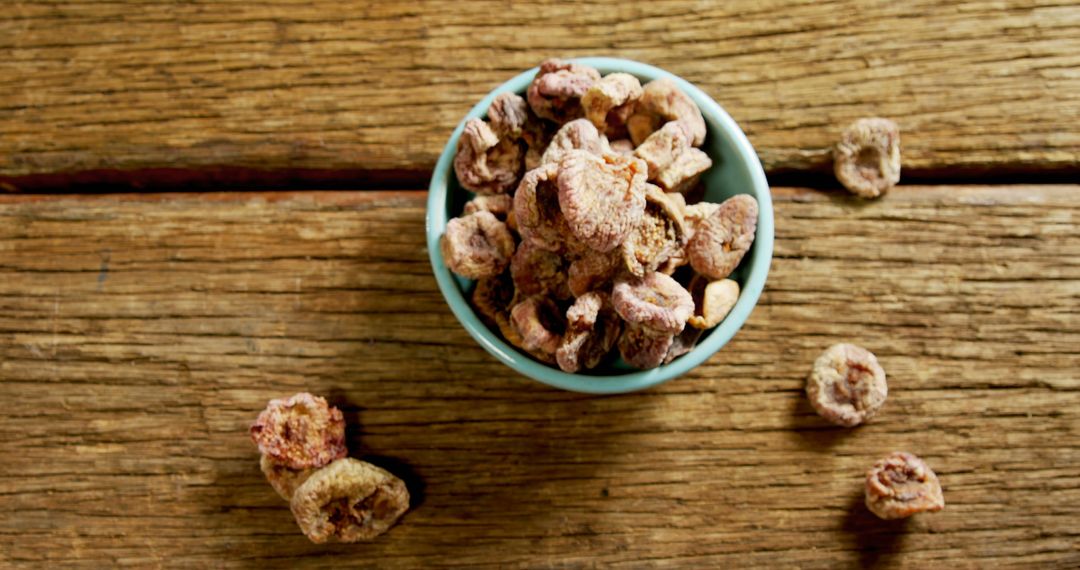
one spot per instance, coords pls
(657, 301)
(575, 135)
(485, 164)
(684, 172)
(601, 198)
(663, 146)
(663, 99)
(300, 432)
(557, 90)
(610, 102)
(900, 485)
(540, 324)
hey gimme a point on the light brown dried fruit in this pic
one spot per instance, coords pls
(592, 272)
(484, 163)
(900, 485)
(602, 198)
(300, 432)
(683, 343)
(867, 158)
(477, 245)
(610, 102)
(657, 301)
(659, 238)
(721, 240)
(508, 115)
(684, 173)
(644, 348)
(283, 479)
(694, 214)
(847, 385)
(498, 204)
(662, 98)
(536, 210)
(579, 134)
(539, 272)
(540, 324)
(640, 125)
(663, 146)
(591, 332)
(349, 501)
(712, 301)
(492, 297)
(556, 91)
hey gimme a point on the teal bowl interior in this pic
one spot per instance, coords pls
(736, 170)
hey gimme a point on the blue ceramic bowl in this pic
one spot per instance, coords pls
(736, 170)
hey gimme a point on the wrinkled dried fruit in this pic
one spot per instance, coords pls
(540, 325)
(539, 272)
(610, 102)
(657, 302)
(300, 432)
(658, 238)
(283, 479)
(900, 485)
(484, 163)
(575, 135)
(557, 90)
(721, 240)
(349, 501)
(694, 214)
(644, 348)
(477, 245)
(592, 272)
(663, 99)
(683, 343)
(663, 146)
(601, 198)
(640, 125)
(508, 115)
(492, 297)
(712, 301)
(867, 158)
(536, 210)
(498, 204)
(684, 173)
(847, 385)
(592, 329)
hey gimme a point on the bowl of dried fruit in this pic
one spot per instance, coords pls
(599, 225)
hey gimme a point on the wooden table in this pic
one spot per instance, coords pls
(142, 331)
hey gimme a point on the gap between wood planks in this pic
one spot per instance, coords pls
(229, 178)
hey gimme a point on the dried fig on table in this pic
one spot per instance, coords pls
(300, 432)
(602, 198)
(663, 101)
(592, 328)
(610, 102)
(721, 240)
(867, 158)
(658, 238)
(556, 92)
(486, 164)
(900, 485)
(656, 301)
(579, 134)
(349, 501)
(477, 245)
(847, 386)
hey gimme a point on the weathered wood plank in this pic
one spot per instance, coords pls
(141, 334)
(284, 85)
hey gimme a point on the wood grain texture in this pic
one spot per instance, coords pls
(141, 335)
(114, 87)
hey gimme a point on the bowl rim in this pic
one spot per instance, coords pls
(631, 381)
